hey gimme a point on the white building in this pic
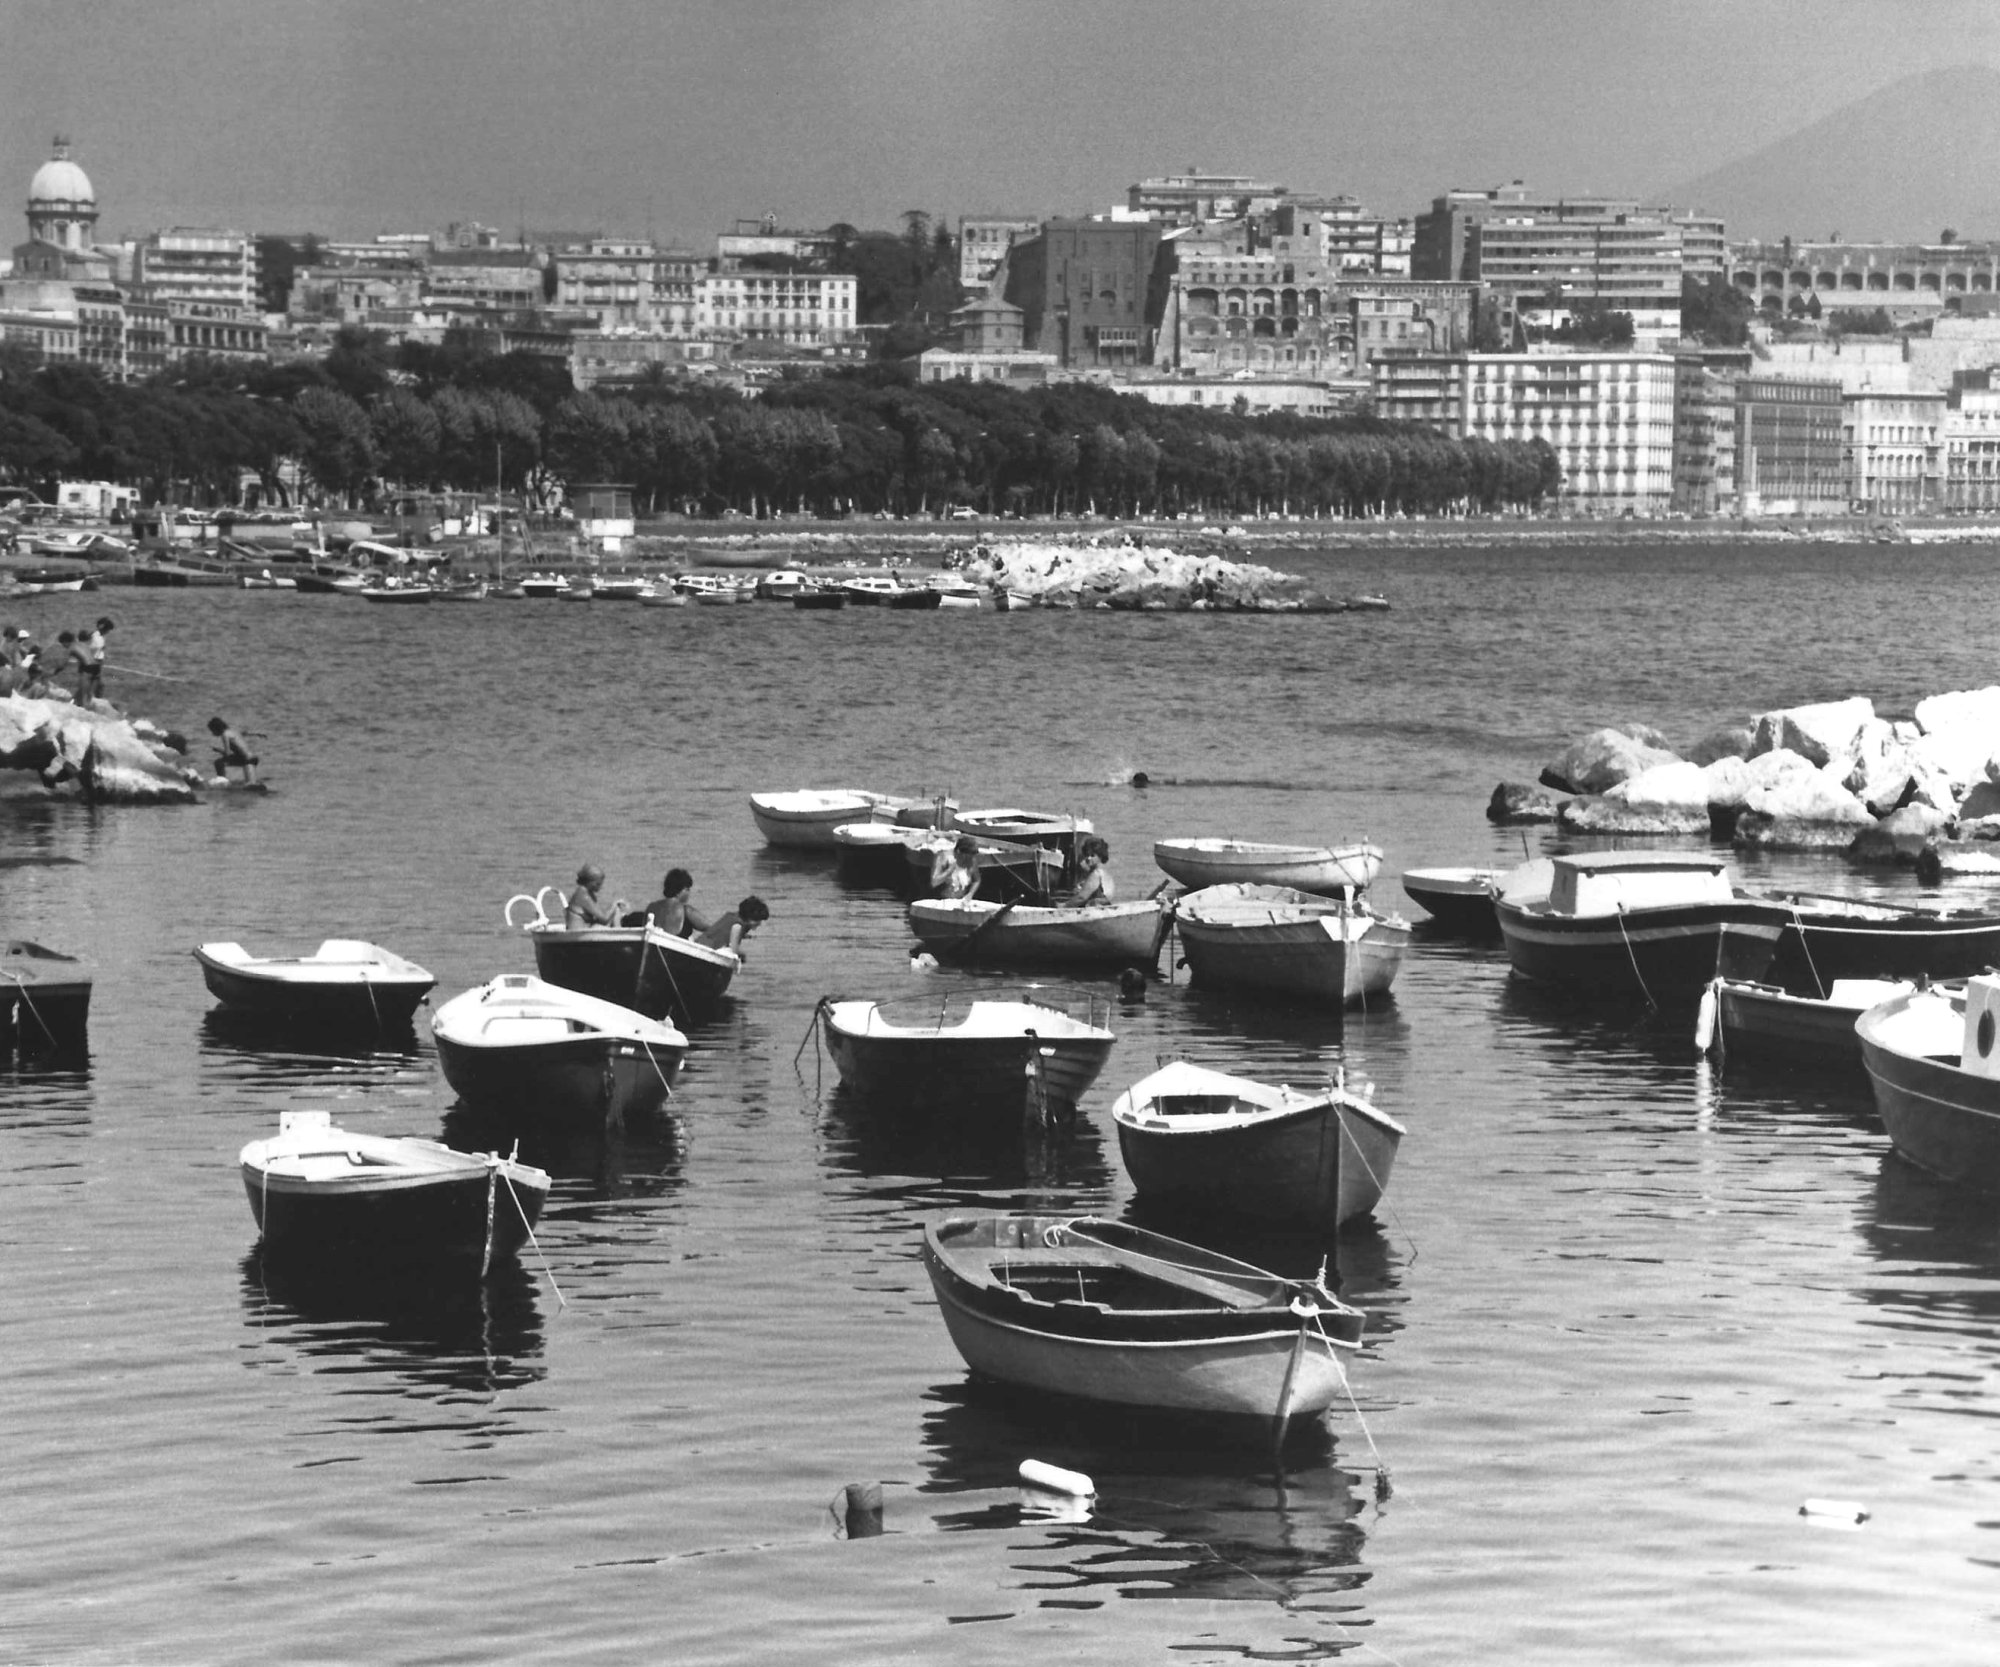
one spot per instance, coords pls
(800, 309)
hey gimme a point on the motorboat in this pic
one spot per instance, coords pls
(519, 1046)
(985, 1054)
(871, 590)
(805, 818)
(641, 967)
(661, 594)
(44, 999)
(713, 589)
(401, 591)
(344, 985)
(782, 585)
(914, 598)
(1098, 934)
(1326, 869)
(265, 579)
(620, 587)
(464, 590)
(956, 591)
(1933, 1060)
(1100, 1311)
(1306, 1158)
(1458, 900)
(578, 590)
(1289, 943)
(321, 1192)
(323, 579)
(543, 586)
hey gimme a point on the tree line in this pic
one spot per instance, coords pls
(371, 418)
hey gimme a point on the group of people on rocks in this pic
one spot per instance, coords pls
(26, 669)
(671, 912)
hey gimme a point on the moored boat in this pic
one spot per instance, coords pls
(343, 985)
(661, 594)
(1740, 1017)
(819, 598)
(1008, 871)
(1458, 899)
(981, 1055)
(870, 590)
(1326, 869)
(519, 1046)
(1290, 943)
(1933, 1060)
(543, 586)
(44, 999)
(1104, 934)
(1813, 938)
(782, 585)
(641, 967)
(1104, 1312)
(806, 818)
(400, 592)
(318, 1191)
(1205, 1139)
(1026, 827)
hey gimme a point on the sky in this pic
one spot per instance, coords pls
(674, 118)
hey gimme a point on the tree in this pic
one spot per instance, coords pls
(337, 445)
(1715, 312)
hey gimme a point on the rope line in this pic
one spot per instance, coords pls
(1633, 955)
(529, 1228)
(1819, 983)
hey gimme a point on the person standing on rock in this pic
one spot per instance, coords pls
(90, 662)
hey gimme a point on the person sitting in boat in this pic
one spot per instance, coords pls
(586, 907)
(1093, 879)
(729, 930)
(955, 869)
(231, 753)
(671, 912)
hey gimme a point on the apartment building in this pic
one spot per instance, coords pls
(983, 242)
(1894, 449)
(630, 285)
(211, 267)
(800, 309)
(1084, 290)
(1789, 448)
(1190, 198)
(1972, 444)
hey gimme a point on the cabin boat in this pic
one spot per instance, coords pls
(1290, 943)
(805, 819)
(344, 985)
(1311, 1159)
(543, 586)
(1325, 869)
(44, 999)
(870, 590)
(640, 967)
(1012, 1055)
(1458, 900)
(1099, 1311)
(323, 1193)
(521, 1047)
(782, 585)
(1101, 934)
(1933, 1061)
(712, 588)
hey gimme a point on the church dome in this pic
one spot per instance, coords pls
(60, 180)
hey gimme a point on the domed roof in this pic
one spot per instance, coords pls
(60, 180)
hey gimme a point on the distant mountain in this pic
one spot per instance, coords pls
(1900, 165)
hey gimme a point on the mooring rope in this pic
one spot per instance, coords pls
(1819, 984)
(662, 1075)
(1383, 1486)
(1633, 955)
(20, 982)
(529, 1228)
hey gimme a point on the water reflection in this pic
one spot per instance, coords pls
(45, 1091)
(644, 1159)
(984, 1149)
(263, 1052)
(1254, 1016)
(437, 1337)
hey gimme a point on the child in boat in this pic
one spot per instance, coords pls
(1093, 879)
(671, 912)
(955, 872)
(585, 907)
(231, 753)
(729, 930)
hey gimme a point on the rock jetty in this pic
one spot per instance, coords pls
(95, 752)
(1143, 578)
(1834, 775)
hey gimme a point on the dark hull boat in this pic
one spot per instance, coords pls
(640, 967)
(1005, 1055)
(1813, 939)
(344, 985)
(44, 1000)
(1458, 900)
(1933, 1060)
(1104, 1312)
(522, 1048)
(324, 1194)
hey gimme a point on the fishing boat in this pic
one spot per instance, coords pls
(1458, 899)
(1325, 869)
(1289, 943)
(1740, 1017)
(44, 999)
(319, 1191)
(1933, 1060)
(1812, 938)
(953, 1054)
(1286, 1156)
(519, 1046)
(805, 818)
(1105, 934)
(641, 967)
(344, 984)
(1100, 1311)
(820, 598)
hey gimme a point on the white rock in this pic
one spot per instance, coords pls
(1816, 797)
(1820, 732)
(1676, 786)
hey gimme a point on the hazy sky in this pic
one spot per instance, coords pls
(677, 116)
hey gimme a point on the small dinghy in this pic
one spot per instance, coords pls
(44, 999)
(343, 985)
(640, 967)
(1006, 1055)
(1015, 826)
(522, 1047)
(1290, 943)
(805, 819)
(1739, 1016)
(1458, 900)
(877, 854)
(320, 1192)
(1933, 1059)
(1285, 1156)
(1103, 1312)
(1106, 934)
(1327, 870)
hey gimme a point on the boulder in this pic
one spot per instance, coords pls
(1815, 797)
(1962, 708)
(1946, 856)
(1757, 831)
(119, 768)
(1732, 781)
(1884, 769)
(1819, 733)
(1602, 759)
(1952, 759)
(1961, 733)
(1605, 815)
(1514, 801)
(1982, 799)
(1900, 838)
(1730, 741)
(1676, 786)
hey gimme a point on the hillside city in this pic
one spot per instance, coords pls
(1669, 368)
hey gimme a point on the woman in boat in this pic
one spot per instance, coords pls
(729, 931)
(231, 753)
(585, 907)
(955, 870)
(671, 912)
(1093, 879)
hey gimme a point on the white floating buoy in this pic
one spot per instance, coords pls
(1057, 1480)
(923, 961)
(1704, 1023)
(1835, 1513)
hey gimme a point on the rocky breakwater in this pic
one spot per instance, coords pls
(1142, 578)
(94, 751)
(1829, 776)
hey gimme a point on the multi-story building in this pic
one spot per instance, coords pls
(764, 240)
(354, 294)
(1226, 309)
(508, 280)
(801, 309)
(1609, 417)
(983, 242)
(1191, 198)
(1705, 428)
(1972, 444)
(205, 329)
(1908, 280)
(1788, 445)
(213, 267)
(630, 285)
(1893, 445)
(1084, 288)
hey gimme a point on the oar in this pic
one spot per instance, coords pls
(964, 945)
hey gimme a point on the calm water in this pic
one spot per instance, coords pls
(1627, 1313)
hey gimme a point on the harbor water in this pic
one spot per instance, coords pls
(1628, 1312)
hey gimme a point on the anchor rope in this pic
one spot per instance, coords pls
(1633, 955)
(528, 1227)
(1382, 1485)
(20, 983)
(1819, 983)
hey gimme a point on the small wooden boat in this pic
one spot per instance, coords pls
(1328, 870)
(805, 819)
(44, 999)
(641, 967)
(1026, 827)
(405, 595)
(713, 589)
(1813, 938)
(1104, 1312)
(914, 598)
(1458, 899)
(578, 590)
(1290, 943)
(661, 594)
(266, 580)
(521, 1047)
(1741, 1017)
(320, 1192)
(1933, 1060)
(820, 598)
(1107, 934)
(464, 590)
(543, 586)
(1282, 1155)
(981, 1055)
(343, 985)
(323, 580)
(1008, 871)
(620, 587)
